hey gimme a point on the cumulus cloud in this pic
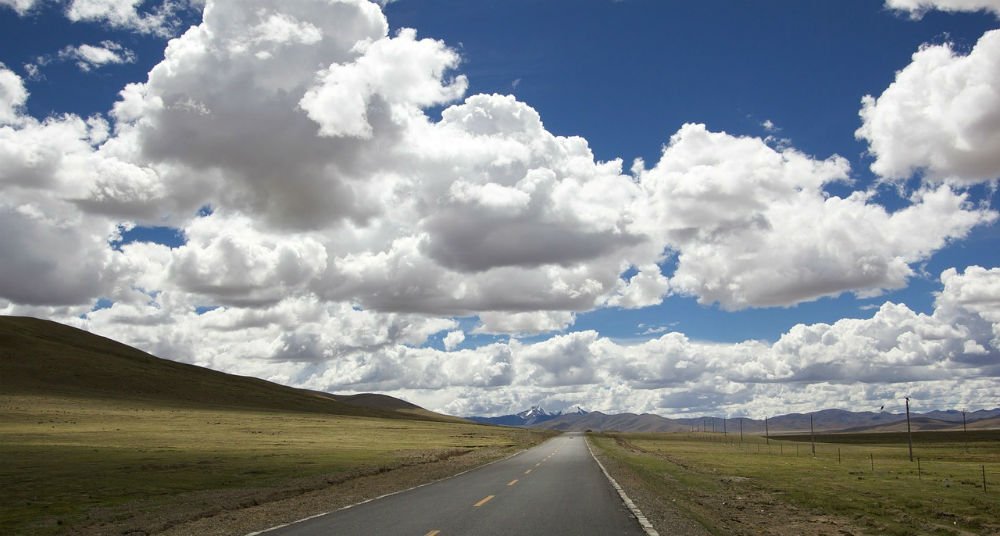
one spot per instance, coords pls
(917, 8)
(453, 339)
(314, 133)
(13, 95)
(228, 259)
(20, 6)
(753, 225)
(940, 116)
(347, 227)
(158, 18)
(401, 73)
(646, 288)
(527, 323)
(862, 362)
(88, 57)
(52, 253)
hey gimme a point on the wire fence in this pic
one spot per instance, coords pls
(951, 464)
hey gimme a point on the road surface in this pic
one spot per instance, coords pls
(552, 489)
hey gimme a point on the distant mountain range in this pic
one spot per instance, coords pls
(828, 420)
(532, 417)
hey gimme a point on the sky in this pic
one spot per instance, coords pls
(683, 208)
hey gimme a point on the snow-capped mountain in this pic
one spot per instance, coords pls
(530, 417)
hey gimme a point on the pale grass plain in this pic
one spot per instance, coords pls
(707, 475)
(68, 462)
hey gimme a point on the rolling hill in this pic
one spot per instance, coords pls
(45, 358)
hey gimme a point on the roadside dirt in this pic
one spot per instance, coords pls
(239, 512)
(742, 508)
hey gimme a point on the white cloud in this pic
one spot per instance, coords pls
(13, 95)
(753, 226)
(941, 116)
(951, 356)
(401, 73)
(229, 260)
(150, 17)
(917, 8)
(348, 227)
(157, 18)
(88, 57)
(527, 323)
(485, 210)
(453, 339)
(646, 288)
(22, 7)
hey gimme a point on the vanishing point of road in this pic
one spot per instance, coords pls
(554, 488)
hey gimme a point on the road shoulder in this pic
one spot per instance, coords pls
(663, 513)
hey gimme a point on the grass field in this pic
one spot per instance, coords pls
(725, 484)
(66, 462)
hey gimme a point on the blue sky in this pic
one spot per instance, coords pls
(344, 244)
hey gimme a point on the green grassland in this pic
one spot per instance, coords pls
(99, 437)
(64, 461)
(946, 497)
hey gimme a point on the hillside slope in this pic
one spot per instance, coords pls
(45, 358)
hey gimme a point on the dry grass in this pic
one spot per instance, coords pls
(700, 470)
(74, 462)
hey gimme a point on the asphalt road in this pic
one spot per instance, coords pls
(554, 488)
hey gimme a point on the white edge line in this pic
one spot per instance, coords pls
(283, 525)
(639, 516)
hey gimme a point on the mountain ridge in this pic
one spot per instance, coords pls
(825, 420)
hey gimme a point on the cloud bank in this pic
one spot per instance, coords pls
(332, 227)
(917, 8)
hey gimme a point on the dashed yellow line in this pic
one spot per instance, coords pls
(433, 533)
(512, 482)
(483, 501)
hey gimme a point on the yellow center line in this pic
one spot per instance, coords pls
(433, 533)
(512, 482)
(483, 501)
(527, 472)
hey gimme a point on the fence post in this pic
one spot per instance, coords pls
(983, 467)
(838, 454)
(919, 477)
(872, 458)
(812, 436)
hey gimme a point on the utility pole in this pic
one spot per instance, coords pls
(965, 432)
(812, 435)
(741, 430)
(767, 435)
(724, 427)
(909, 436)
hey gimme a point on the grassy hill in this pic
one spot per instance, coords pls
(97, 437)
(40, 357)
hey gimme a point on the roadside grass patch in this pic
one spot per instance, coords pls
(946, 497)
